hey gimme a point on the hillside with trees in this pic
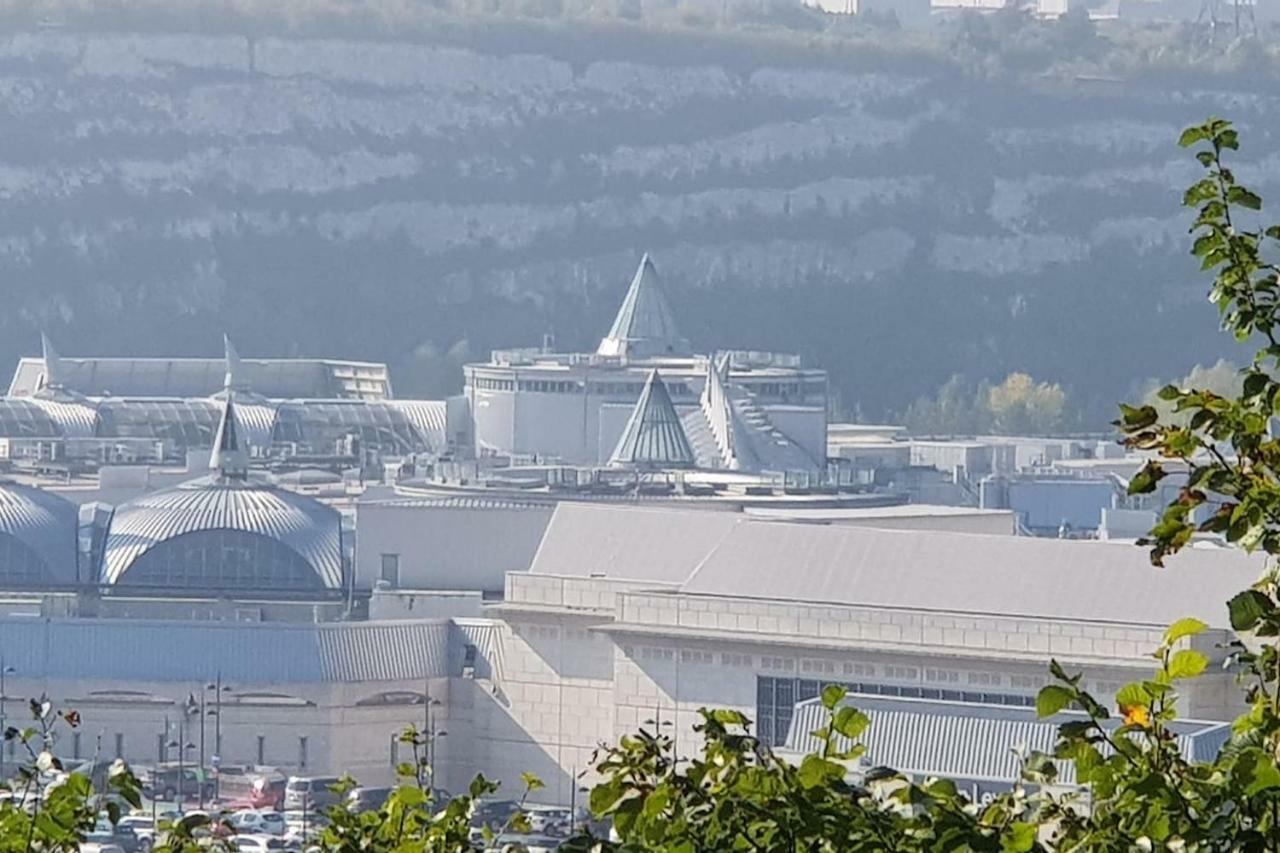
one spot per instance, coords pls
(421, 183)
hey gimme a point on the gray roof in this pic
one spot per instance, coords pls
(201, 377)
(311, 529)
(259, 653)
(47, 524)
(968, 741)
(644, 326)
(629, 543)
(715, 553)
(653, 437)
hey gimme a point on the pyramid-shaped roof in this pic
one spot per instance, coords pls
(644, 326)
(229, 458)
(654, 437)
(52, 363)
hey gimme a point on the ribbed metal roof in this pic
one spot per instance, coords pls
(74, 419)
(968, 741)
(45, 523)
(653, 436)
(244, 653)
(644, 326)
(308, 527)
(429, 418)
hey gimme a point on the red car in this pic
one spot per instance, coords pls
(267, 794)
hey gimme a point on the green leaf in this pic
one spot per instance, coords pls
(850, 722)
(1247, 609)
(1192, 135)
(1051, 699)
(531, 782)
(1187, 627)
(1021, 838)
(816, 772)
(1133, 695)
(1146, 479)
(831, 696)
(1187, 663)
(1244, 198)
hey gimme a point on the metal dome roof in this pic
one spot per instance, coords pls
(307, 527)
(47, 524)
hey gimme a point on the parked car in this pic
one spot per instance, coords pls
(518, 843)
(300, 822)
(143, 827)
(254, 822)
(364, 799)
(257, 843)
(267, 793)
(167, 782)
(551, 820)
(310, 792)
(88, 846)
(494, 814)
(122, 835)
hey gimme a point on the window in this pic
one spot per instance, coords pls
(695, 656)
(1025, 682)
(119, 744)
(985, 678)
(859, 669)
(734, 659)
(817, 667)
(222, 559)
(262, 749)
(942, 676)
(302, 752)
(776, 698)
(391, 569)
(903, 673)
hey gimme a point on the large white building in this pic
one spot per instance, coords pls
(624, 614)
(768, 411)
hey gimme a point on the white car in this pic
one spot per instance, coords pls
(257, 843)
(94, 847)
(251, 822)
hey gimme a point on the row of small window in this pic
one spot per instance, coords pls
(164, 750)
(932, 675)
(776, 699)
(563, 386)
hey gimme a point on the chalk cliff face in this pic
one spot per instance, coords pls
(419, 202)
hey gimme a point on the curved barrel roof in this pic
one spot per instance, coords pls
(45, 523)
(307, 527)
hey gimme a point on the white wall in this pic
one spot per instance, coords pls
(447, 548)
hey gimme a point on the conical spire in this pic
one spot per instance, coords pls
(645, 326)
(654, 436)
(229, 458)
(235, 379)
(735, 450)
(53, 375)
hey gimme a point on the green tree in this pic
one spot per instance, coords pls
(1021, 406)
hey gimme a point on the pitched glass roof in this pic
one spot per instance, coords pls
(644, 325)
(653, 436)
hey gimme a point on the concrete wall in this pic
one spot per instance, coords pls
(570, 680)
(447, 548)
(343, 733)
(805, 425)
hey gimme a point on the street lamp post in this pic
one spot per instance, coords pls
(217, 688)
(196, 708)
(429, 727)
(4, 744)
